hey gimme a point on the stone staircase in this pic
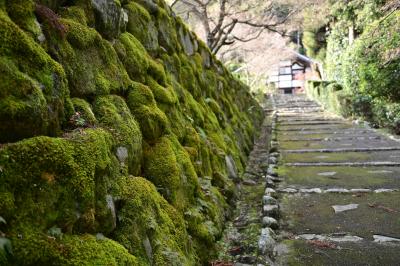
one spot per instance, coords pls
(334, 190)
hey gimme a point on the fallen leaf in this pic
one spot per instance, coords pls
(235, 250)
(48, 177)
(382, 207)
(221, 263)
(321, 244)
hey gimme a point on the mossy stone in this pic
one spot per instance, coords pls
(22, 13)
(150, 110)
(139, 19)
(133, 56)
(165, 95)
(33, 86)
(109, 18)
(90, 62)
(145, 214)
(67, 250)
(153, 122)
(161, 168)
(157, 72)
(76, 13)
(85, 110)
(167, 36)
(114, 115)
(55, 178)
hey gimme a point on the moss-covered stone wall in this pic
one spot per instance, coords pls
(121, 135)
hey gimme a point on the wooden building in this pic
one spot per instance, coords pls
(290, 76)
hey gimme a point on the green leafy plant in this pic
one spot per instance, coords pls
(77, 120)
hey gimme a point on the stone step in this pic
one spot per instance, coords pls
(344, 150)
(329, 144)
(356, 137)
(339, 192)
(341, 157)
(327, 133)
(362, 164)
(327, 128)
(316, 252)
(372, 177)
(304, 190)
(315, 122)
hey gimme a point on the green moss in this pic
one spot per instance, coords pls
(163, 95)
(187, 172)
(90, 62)
(167, 35)
(55, 178)
(188, 80)
(76, 13)
(22, 13)
(203, 165)
(205, 219)
(180, 122)
(67, 250)
(156, 70)
(172, 65)
(85, 109)
(192, 138)
(217, 141)
(114, 115)
(81, 36)
(168, 166)
(140, 94)
(133, 56)
(33, 86)
(193, 109)
(217, 111)
(144, 214)
(161, 168)
(139, 19)
(198, 61)
(81, 184)
(153, 122)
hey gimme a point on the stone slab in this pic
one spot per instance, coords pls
(305, 252)
(342, 157)
(332, 144)
(376, 214)
(345, 177)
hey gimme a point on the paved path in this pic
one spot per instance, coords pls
(337, 188)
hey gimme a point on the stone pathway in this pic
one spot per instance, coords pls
(318, 190)
(332, 195)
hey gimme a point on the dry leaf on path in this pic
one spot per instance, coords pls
(321, 244)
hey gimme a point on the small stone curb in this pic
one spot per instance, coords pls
(267, 241)
(271, 210)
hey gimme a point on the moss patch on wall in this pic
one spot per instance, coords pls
(82, 117)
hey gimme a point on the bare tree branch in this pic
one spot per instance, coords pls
(219, 19)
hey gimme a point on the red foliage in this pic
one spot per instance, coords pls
(48, 16)
(221, 263)
(321, 244)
